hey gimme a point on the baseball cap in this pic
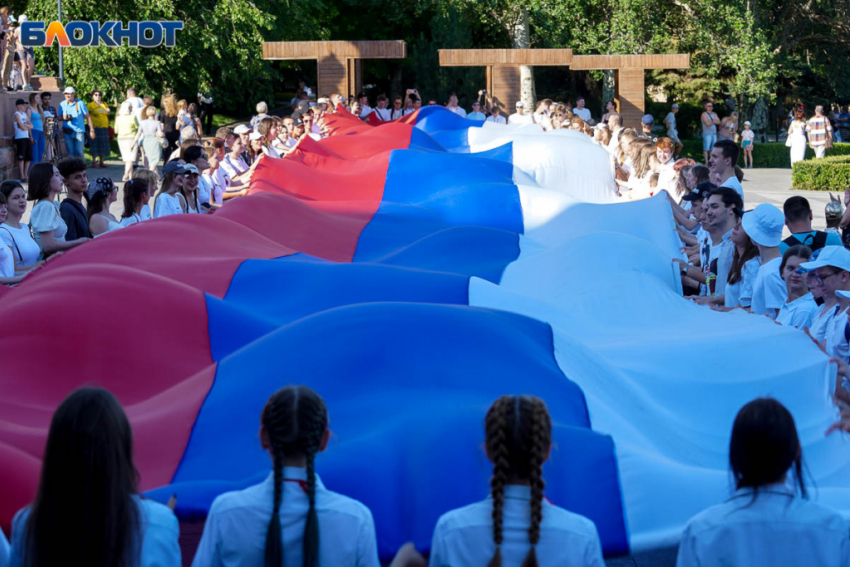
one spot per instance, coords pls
(696, 195)
(299, 122)
(69, 90)
(241, 129)
(323, 100)
(647, 119)
(520, 104)
(835, 256)
(675, 105)
(255, 136)
(833, 210)
(20, 101)
(748, 123)
(764, 225)
(189, 168)
(173, 167)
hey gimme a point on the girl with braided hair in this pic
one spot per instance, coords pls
(516, 526)
(290, 519)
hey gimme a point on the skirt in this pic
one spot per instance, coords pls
(128, 154)
(100, 145)
(153, 151)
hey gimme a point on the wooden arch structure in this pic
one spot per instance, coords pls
(340, 63)
(503, 78)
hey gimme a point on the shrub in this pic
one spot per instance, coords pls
(827, 174)
(771, 154)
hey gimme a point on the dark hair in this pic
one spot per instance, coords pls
(186, 144)
(382, 97)
(738, 260)
(796, 209)
(8, 186)
(70, 165)
(295, 419)
(192, 108)
(701, 174)
(518, 433)
(192, 153)
(413, 97)
(133, 191)
(764, 446)
(2, 198)
(730, 150)
(730, 198)
(796, 251)
(87, 466)
(39, 181)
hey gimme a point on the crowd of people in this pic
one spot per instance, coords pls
(88, 510)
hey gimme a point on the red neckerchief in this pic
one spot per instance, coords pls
(302, 483)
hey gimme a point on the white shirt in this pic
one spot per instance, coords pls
(733, 183)
(518, 118)
(464, 537)
(670, 122)
(822, 321)
(160, 532)
(204, 188)
(132, 219)
(25, 250)
(272, 152)
(7, 270)
(836, 340)
(365, 111)
(583, 113)
(769, 289)
(497, 119)
(136, 105)
(235, 532)
(167, 205)
(798, 313)
(45, 217)
(778, 529)
(457, 110)
(668, 178)
(233, 167)
(476, 116)
(385, 114)
(741, 292)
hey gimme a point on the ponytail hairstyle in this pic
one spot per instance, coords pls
(295, 419)
(765, 446)
(518, 433)
(134, 190)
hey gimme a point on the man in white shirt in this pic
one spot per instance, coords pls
(365, 109)
(722, 162)
(136, 104)
(519, 117)
(723, 207)
(496, 115)
(453, 107)
(244, 132)
(382, 112)
(615, 125)
(764, 226)
(476, 113)
(581, 111)
(672, 133)
(667, 176)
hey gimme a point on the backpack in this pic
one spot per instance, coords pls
(815, 242)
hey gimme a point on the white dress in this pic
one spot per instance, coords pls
(110, 225)
(797, 137)
(45, 217)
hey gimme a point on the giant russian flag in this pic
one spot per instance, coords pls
(412, 273)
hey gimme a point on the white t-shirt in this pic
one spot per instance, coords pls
(769, 289)
(204, 188)
(365, 111)
(497, 119)
(273, 153)
(385, 114)
(233, 167)
(518, 118)
(748, 135)
(45, 217)
(457, 110)
(670, 122)
(741, 292)
(822, 321)
(167, 205)
(25, 250)
(7, 262)
(668, 178)
(733, 183)
(136, 105)
(582, 113)
(476, 116)
(799, 313)
(132, 219)
(836, 338)
(20, 133)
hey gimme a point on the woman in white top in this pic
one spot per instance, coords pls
(87, 510)
(13, 233)
(165, 202)
(136, 196)
(516, 525)
(8, 274)
(797, 137)
(101, 194)
(219, 182)
(187, 195)
(742, 274)
(800, 307)
(244, 528)
(768, 520)
(235, 166)
(152, 179)
(268, 130)
(48, 228)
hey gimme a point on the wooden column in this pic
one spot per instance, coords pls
(630, 93)
(332, 76)
(506, 88)
(355, 77)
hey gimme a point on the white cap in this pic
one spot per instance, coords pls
(748, 123)
(69, 90)
(520, 104)
(764, 225)
(835, 256)
(241, 129)
(255, 136)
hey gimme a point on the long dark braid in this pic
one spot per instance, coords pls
(519, 435)
(295, 419)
